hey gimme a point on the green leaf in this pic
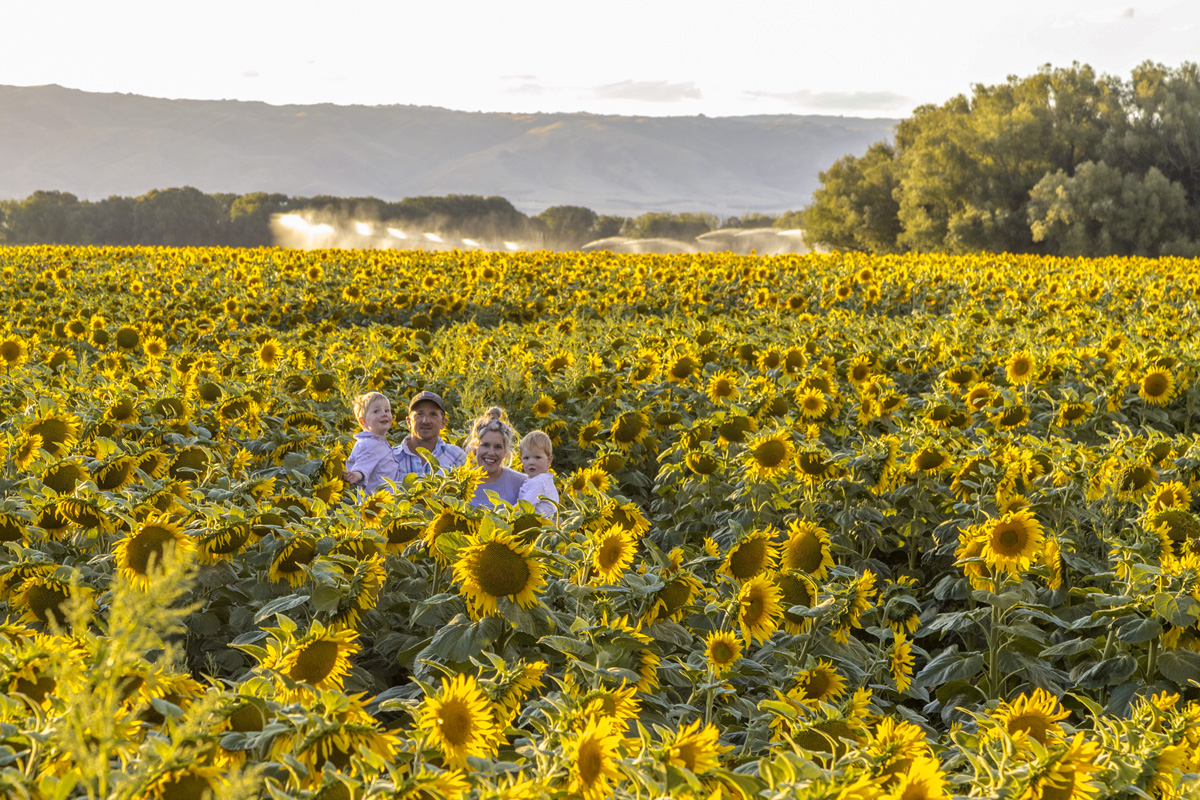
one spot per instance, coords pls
(567, 645)
(949, 665)
(673, 632)
(326, 598)
(1139, 630)
(1180, 666)
(1069, 648)
(1180, 610)
(461, 638)
(1106, 673)
(279, 605)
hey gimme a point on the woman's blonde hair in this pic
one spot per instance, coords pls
(493, 420)
(538, 441)
(363, 402)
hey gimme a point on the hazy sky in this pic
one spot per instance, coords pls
(640, 57)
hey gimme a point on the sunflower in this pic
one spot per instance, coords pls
(1065, 774)
(682, 368)
(544, 407)
(1019, 368)
(1135, 479)
(978, 396)
(582, 480)
(42, 598)
(629, 428)
(116, 473)
(591, 756)
(137, 555)
(498, 565)
(1036, 715)
(615, 549)
(1073, 413)
(1157, 386)
(13, 527)
(630, 518)
(288, 565)
(722, 649)
(796, 589)
(900, 660)
(13, 353)
(671, 600)
(928, 460)
(696, 749)
(155, 348)
(812, 403)
(768, 455)
(619, 706)
(185, 781)
(320, 658)
(723, 388)
(58, 433)
(1178, 531)
(1012, 542)
(759, 609)
(270, 353)
(458, 721)
(337, 741)
(1172, 494)
(26, 450)
(821, 684)
(859, 370)
(923, 780)
(751, 556)
(861, 590)
(807, 549)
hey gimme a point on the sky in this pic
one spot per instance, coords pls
(643, 57)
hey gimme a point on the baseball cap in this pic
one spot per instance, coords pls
(431, 397)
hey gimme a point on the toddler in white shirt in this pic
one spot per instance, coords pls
(537, 454)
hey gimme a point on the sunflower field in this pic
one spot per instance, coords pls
(833, 526)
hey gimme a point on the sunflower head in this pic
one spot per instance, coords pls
(1011, 542)
(751, 556)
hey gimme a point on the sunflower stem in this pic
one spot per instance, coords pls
(1152, 660)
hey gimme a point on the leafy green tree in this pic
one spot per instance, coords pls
(45, 217)
(1102, 211)
(1159, 126)
(750, 219)
(609, 225)
(178, 217)
(569, 227)
(855, 208)
(662, 225)
(249, 222)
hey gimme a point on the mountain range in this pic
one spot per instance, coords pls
(97, 144)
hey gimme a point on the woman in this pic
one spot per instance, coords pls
(491, 445)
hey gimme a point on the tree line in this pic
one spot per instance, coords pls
(183, 217)
(1062, 162)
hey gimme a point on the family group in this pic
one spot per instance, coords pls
(374, 461)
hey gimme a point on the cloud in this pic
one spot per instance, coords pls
(837, 101)
(250, 74)
(524, 78)
(648, 91)
(525, 88)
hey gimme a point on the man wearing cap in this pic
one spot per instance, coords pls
(426, 418)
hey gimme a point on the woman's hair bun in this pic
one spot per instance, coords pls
(495, 412)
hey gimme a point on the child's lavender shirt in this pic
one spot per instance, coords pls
(372, 456)
(540, 491)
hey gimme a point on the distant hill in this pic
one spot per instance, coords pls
(96, 145)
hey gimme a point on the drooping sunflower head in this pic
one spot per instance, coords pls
(806, 549)
(696, 749)
(752, 555)
(820, 684)
(139, 554)
(759, 609)
(296, 553)
(57, 432)
(629, 428)
(1036, 715)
